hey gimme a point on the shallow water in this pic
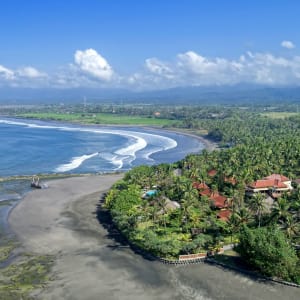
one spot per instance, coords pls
(11, 192)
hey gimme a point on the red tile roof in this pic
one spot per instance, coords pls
(278, 177)
(206, 192)
(200, 186)
(218, 200)
(224, 215)
(267, 183)
(212, 172)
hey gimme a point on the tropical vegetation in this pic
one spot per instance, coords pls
(180, 219)
(182, 215)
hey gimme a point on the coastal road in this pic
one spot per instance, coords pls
(62, 221)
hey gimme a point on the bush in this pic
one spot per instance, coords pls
(267, 250)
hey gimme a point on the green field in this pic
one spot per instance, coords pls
(279, 115)
(101, 118)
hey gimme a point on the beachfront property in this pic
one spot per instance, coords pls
(217, 200)
(273, 185)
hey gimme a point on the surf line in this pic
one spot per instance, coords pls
(75, 162)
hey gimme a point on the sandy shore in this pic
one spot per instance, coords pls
(89, 265)
(209, 144)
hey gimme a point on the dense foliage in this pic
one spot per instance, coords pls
(178, 218)
(267, 249)
(252, 146)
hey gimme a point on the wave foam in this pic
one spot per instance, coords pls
(137, 141)
(74, 163)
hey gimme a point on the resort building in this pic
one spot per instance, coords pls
(217, 200)
(273, 185)
(224, 214)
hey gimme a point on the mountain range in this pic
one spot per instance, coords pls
(182, 95)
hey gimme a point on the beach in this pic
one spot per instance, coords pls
(89, 264)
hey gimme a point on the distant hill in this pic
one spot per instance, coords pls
(183, 95)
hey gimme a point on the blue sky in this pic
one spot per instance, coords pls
(148, 44)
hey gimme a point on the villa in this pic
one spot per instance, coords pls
(224, 215)
(273, 185)
(217, 200)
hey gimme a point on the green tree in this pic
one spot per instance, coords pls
(257, 206)
(267, 250)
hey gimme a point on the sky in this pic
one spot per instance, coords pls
(149, 44)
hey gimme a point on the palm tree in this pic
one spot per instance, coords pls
(291, 227)
(257, 205)
(280, 211)
(241, 216)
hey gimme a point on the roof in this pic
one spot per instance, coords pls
(218, 200)
(200, 186)
(171, 205)
(212, 172)
(231, 180)
(205, 192)
(277, 177)
(267, 183)
(224, 215)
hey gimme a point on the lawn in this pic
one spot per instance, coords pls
(101, 118)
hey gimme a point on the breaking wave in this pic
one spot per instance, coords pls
(142, 143)
(74, 163)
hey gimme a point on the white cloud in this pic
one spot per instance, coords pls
(288, 45)
(206, 71)
(6, 73)
(156, 66)
(30, 72)
(189, 68)
(92, 63)
(22, 77)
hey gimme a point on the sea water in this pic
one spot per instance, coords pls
(30, 147)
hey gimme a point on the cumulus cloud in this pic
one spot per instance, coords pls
(30, 72)
(287, 44)
(22, 77)
(158, 67)
(204, 71)
(189, 68)
(92, 63)
(6, 73)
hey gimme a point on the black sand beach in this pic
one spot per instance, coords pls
(62, 221)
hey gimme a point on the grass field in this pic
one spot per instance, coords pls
(279, 115)
(101, 118)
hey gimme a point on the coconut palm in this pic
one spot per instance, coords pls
(257, 205)
(280, 211)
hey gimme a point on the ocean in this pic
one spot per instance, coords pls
(31, 147)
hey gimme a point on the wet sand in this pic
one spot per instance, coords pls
(89, 265)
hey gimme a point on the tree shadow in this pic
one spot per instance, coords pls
(239, 267)
(120, 241)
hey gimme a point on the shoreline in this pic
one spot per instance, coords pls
(62, 221)
(209, 144)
